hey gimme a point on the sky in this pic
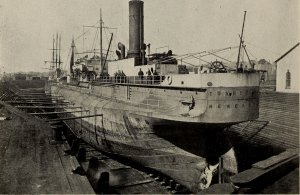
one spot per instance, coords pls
(185, 26)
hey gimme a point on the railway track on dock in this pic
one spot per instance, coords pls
(107, 173)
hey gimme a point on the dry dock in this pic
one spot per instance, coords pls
(33, 161)
(29, 163)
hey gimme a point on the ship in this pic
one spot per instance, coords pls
(151, 110)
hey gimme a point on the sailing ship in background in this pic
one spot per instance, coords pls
(154, 111)
(55, 69)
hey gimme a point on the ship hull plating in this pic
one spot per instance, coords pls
(161, 136)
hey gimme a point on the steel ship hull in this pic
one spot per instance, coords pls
(142, 124)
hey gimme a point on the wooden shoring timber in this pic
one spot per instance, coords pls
(50, 113)
(34, 93)
(62, 107)
(41, 98)
(45, 103)
(72, 118)
(45, 95)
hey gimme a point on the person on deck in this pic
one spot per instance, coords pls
(149, 77)
(141, 75)
(156, 77)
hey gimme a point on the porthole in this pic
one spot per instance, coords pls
(180, 92)
(219, 105)
(209, 84)
(210, 106)
(196, 92)
(182, 82)
(228, 106)
(230, 94)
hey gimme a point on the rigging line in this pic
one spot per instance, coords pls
(106, 35)
(95, 38)
(79, 36)
(219, 57)
(215, 51)
(189, 63)
(201, 59)
(230, 55)
(262, 48)
(251, 54)
(65, 65)
(189, 55)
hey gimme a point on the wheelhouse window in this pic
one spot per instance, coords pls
(288, 80)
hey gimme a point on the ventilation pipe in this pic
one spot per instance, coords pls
(121, 47)
(119, 55)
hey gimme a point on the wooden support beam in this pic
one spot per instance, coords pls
(41, 98)
(72, 118)
(45, 103)
(47, 107)
(50, 113)
(33, 94)
(42, 101)
(45, 95)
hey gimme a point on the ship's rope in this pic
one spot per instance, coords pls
(67, 60)
(195, 55)
(262, 48)
(94, 41)
(78, 37)
(252, 54)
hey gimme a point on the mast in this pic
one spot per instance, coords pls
(56, 45)
(72, 58)
(82, 38)
(101, 54)
(52, 67)
(59, 48)
(241, 39)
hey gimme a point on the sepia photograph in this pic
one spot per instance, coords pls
(149, 96)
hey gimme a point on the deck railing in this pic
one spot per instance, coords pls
(136, 80)
(139, 80)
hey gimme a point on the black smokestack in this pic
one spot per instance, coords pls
(136, 30)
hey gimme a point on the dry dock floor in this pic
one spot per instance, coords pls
(29, 163)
